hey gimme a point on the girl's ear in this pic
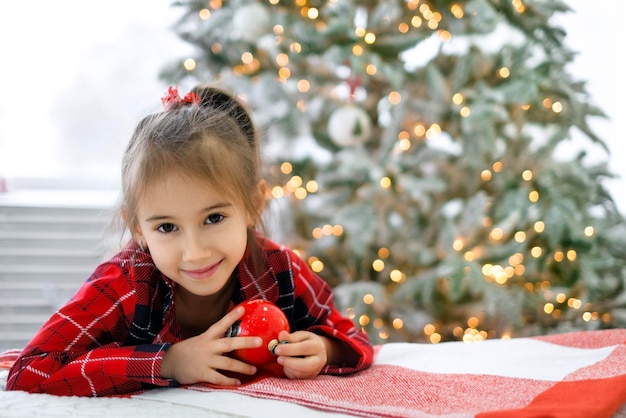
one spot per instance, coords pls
(258, 200)
(134, 230)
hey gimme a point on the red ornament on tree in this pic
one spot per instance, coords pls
(261, 319)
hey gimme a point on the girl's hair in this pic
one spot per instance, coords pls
(211, 138)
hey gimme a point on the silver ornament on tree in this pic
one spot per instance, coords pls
(349, 124)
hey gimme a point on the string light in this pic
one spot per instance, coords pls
(457, 11)
(278, 192)
(419, 130)
(378, 265)
(189, 64)
(536, 252)
(433, 131)
(397, 276)
(369, 38)
(317, 265)
(357, 50)
(303, 86)
(444, 35)
(394, 97)
(416, 21)
(496, 234)
(397, 323)
(519, 6)
(312, 186)
(286, 167)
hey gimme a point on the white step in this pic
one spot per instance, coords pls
(51, 294)
(10, 321)
(24, 302)
(53, 272)
(52, 256)
(50, 200)
(9, 226)
(62, 239)
(49, 245)
(15, 339)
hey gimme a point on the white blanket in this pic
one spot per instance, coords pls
(579, 374)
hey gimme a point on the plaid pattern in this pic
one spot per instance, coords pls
(581, 374)
(110, 338)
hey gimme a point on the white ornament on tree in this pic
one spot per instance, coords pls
(252, 21)
(349, 125)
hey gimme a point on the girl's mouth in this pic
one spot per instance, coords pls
(203, 273)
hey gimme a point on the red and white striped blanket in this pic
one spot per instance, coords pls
(577, 374)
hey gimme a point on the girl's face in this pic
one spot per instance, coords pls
(195, 235)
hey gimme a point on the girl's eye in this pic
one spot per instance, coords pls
(214, 218)
(166, 228)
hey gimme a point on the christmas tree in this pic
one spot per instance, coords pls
(415, 147)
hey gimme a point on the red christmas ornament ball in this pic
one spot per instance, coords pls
(261, 319)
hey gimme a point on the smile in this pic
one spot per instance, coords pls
(203, 273)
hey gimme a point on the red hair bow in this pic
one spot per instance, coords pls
(172, 98)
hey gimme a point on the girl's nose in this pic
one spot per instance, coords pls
(195, 249)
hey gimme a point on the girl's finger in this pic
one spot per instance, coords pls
(218, 329)
(230, 364)
(217, 378)
(228, 344)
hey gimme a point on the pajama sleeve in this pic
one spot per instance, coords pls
(83, 350)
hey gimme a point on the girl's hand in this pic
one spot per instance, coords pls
(304, 356)
(201, 358)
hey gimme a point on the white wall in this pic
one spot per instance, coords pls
(76, 76)
(596, 30)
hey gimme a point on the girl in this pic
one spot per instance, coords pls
(156, 313)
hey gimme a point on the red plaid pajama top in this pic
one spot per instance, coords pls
(110, 338)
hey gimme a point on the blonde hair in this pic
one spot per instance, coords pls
(211, 139)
